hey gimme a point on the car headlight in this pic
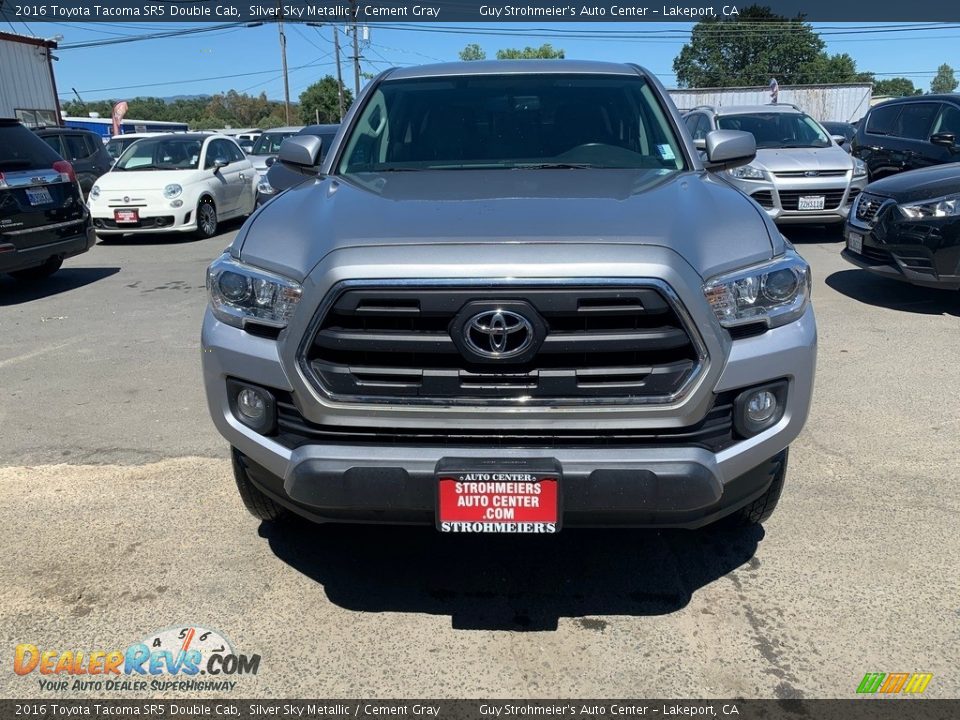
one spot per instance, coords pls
(859, 169)
(264, 187)
(746, 172)
(942, 207)
(95, 191)
(240, 293)
(171, 191)
(775, 293)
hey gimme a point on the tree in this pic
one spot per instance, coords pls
(473, 52)
(944, 82)
(840, 68)
(744, 52)
(544, 52)
(321, 100)
(895, 87)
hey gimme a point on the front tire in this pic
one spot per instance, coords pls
(257, 503)
(760, 510)
(40, 272)
(206, 219)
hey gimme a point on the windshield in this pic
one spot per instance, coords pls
(778, 129)
(269, 143)
(161, 154)
(116, 146)
(512, 121)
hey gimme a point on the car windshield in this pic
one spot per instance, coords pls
(116, 146)
(161, 154)
(269, 143)
(778, 129)
(512, 121)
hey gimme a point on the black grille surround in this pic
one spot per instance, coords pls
(790, 199)
(623, 342)
(868, 206)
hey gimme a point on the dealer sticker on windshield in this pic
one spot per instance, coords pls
(508, 499)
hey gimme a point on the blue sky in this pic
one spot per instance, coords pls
(173, 66)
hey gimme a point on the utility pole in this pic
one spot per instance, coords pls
(336, 52)
(356, 52)
(283, 58)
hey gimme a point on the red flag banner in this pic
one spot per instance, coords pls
(119, 110)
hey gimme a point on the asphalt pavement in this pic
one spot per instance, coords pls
(121, 519)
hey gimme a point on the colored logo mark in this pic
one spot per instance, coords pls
(890, 683)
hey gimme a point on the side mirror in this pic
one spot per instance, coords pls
(729, 149)
(839, 139)
(700, 143)
(220, 163)
(946, 139)
(300, 152)
(270, 160)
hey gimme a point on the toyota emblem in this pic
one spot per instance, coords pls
(498, 334)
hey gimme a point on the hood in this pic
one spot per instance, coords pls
(804, 159)
(132, 180)
(709, 223)
(926, 184)
(260, 161)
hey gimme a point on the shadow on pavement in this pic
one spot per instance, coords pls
(864, 287)
(518, 583)
(801, 234)
(15, 292)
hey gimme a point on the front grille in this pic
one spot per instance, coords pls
(143, 223)
(764, 198)
(790, 199)
(807, 173)
(868, 206)
(854, 193)
(616, 344)
(715, 432)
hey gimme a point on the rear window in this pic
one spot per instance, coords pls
(915, 120)
(21, 149)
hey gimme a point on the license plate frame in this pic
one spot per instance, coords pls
(811, 202)
(126, 216)
(509, 496)
(38, 196)
(855, 243)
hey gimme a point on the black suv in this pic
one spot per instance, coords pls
(85, 151)
(909, 133)
(42, 215)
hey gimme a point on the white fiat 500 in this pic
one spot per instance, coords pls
(174, 183)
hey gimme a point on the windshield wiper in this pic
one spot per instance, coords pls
(555, 166)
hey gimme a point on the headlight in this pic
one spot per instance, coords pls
(943, 207)
(747, 172)
(775, 293)
(859, 169)
(240, 293)
(264, 187)
(171, 191)
(95, 191)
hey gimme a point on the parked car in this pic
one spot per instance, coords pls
(83, 149)
(800, 174)
(279, 177)
(907, 227)
(183, 182)
(118, 143)
(42, 216)
(268, 145)
(839, 130)
(511, 300)
(909, 133)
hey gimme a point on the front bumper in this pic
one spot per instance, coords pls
(779, 197)
(154, 218)
(672, 485)
(78, 241)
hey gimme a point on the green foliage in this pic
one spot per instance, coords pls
(544, 52)
(840, 68)
(945, 81)
(473, 52)
(895, 87)
(321, 99)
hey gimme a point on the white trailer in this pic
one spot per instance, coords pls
(844, 103)
(28, 91)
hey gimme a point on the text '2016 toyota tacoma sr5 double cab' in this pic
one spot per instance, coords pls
(511, 299)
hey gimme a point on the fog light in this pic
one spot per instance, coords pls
(176, 203)
(255, 407)
(759, 408)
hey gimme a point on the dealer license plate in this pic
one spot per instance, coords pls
(126, 216)
(479, 496)
(811, 202)
(39, 196)
(855, 243)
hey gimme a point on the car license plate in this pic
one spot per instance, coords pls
(855, 242)
(39, 196)
(126, 216)
(811, 202)
(478, 496)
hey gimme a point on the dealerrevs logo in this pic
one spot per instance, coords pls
(190, 658)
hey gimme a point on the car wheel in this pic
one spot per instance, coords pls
(206, 219)
(760, 510)
(257, 503)
(40, 272)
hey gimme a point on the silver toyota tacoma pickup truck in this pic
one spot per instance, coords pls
(512, 298)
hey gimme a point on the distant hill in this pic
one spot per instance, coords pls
(174, 98)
